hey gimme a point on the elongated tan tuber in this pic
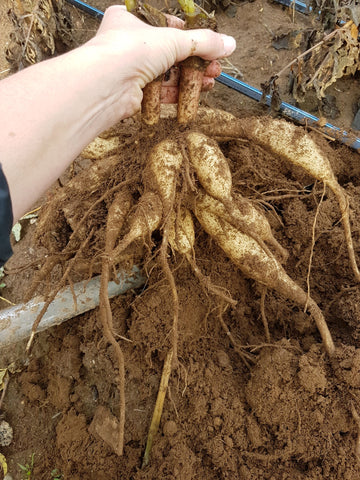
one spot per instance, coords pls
(297, 147)
(101, 147)
(292, 144)
(181, 232)
(146, 219)
(210, 164)
(242, 215)
(252, 260)
(161, 172)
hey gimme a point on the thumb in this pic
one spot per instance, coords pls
(203, 43)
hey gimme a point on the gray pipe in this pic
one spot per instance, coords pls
(16, 322)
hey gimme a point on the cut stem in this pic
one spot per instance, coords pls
(150, 105)
(191, 76)
(155, 421)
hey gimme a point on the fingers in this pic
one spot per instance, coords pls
(115, 15)
(169, 94)
(213, 70)
(207, 84)
(225, 44)
(178, 42)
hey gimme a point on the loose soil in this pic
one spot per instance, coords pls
(289, 412)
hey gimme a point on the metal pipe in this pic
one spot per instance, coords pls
(16, 322)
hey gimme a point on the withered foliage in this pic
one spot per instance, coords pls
(41, 28)
(329, 12)
(336, 56)
(326, 52)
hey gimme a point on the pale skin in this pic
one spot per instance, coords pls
(52, 110)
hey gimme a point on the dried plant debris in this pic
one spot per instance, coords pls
(295, 39)
(330, 12)
(336, 56)
(40, 29)
(326, 52)
(228, 6)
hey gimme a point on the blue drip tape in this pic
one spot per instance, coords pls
(286, 109)
(94, 12)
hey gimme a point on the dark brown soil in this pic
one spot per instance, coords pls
(289, 413)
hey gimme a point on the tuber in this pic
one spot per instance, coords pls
(253, 261)
(161, 171)
(211, 167)
(243, 216)
(181, 232)
(146, 219)
(289, 142)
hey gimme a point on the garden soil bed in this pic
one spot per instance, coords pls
(288, 412)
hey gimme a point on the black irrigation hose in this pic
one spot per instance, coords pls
(301, 7)
(289, 111)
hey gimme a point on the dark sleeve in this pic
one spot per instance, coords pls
(6, 219)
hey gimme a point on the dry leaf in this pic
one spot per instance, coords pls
(332, 60)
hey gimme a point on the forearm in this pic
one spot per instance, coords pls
(53, 110)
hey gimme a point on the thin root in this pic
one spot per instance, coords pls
(312, 245)
(171, 280)
(207, 283)
(60, 285)
(263, 314)
(243, 355)
(357, 421)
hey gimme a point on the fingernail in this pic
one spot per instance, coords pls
(229, 44)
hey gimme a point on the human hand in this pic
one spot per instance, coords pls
(131, 54)
(169, 90)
